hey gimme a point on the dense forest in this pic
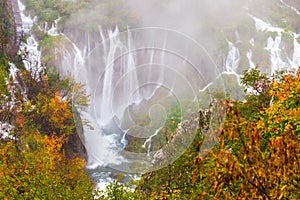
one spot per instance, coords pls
(257, 155)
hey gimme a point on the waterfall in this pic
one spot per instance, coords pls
(115, 63)
(251, 41)
(33, 60)
(296, 56)
(128, 71)
(105, 108)
(53, 30)
(274, 48)
(148, 141)
(8, 104)
(73, 61)
(291, 7)
(249, 56)
(232, 59)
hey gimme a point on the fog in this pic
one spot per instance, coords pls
(197, 18)
(193, 47)
(210, 23)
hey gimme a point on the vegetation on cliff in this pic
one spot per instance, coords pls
(36, 126)
(257, 155)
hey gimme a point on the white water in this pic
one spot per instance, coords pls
(103, 148)
(291, 7)
(32, 62)
(5, 130)
(232, 59)
(73, 60)
(8, 103)
(251, 41)
(106, 101)
(249, 56)
(119, 81)
(149, 140)
(295, 62)
(128, 75)
(278, 58)
(53, 30)
(273, 45)
(117, 84)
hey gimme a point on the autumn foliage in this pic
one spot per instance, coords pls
(257, 155)
(258, 159)
(33, 159)
(40, 170)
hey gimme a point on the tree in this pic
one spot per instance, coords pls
(257, 158)
(39, 169)
(33, 162)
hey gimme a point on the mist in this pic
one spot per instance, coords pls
(210, 23)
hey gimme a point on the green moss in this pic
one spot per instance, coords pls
(287, 37)
(50, 10)
(119, 177)
(287, 40)
(137, 166)
(288, 28)
(39, 35)
(3, 77)
(108, 14)
(51, 48)
(272, 34)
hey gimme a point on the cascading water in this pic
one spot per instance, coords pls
(274, 46)
(105, 108)
(148, 141)
(72, 61)
(33, 60)
(125, 71)
(8, 104)
(249, 56)
(233, 59)
(291, 7)
(275, 53)
(128, 75)
(296, 58)
(128, 90)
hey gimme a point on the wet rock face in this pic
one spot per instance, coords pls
(74, 147)
(10, 27)
(185, 130)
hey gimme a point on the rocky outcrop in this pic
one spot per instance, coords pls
(75, 146)
(18, 34)
(12, 26)
(207, 122)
